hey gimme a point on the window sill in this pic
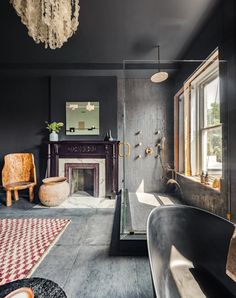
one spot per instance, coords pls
(197, 180)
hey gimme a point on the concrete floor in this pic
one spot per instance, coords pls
(80, 261)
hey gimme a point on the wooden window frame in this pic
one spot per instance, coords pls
(187, 115)
(176, 129)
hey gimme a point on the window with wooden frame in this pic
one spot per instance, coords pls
(198, 129)
(179, 150)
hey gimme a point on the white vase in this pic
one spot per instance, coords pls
(53, 137)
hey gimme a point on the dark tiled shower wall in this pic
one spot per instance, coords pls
(149, 108)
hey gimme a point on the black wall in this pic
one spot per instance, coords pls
(23, 110)
(208, 39)
(102, 89)
(27, 102)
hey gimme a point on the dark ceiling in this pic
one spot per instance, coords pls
(111, 31)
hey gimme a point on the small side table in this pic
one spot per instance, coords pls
(42, 288)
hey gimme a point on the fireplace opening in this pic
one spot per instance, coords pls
(83, 178)
(82, 181)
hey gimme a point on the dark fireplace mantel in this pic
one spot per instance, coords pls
(86, 149)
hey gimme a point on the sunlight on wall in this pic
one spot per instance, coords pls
(140, 187)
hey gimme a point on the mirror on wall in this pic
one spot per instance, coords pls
(82, 118)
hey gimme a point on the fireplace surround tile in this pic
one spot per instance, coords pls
(100, 161)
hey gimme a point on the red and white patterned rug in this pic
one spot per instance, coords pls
(24, 243)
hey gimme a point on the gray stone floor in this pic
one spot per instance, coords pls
(141, 205)
(80, 262)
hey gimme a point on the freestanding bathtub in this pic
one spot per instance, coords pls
(188, 250)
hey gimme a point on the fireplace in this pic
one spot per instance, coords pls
(83, 178)
(84, 174)
(105, 180)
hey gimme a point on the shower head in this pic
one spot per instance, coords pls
(159, 76)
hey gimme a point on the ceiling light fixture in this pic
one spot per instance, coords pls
(51, 22)
(159, 76)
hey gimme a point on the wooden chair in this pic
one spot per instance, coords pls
(18, 173)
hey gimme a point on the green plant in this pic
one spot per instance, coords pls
(54, 126)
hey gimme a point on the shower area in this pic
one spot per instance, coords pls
(154, 137)
(145, 114)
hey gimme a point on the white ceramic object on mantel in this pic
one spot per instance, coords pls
(53, 137)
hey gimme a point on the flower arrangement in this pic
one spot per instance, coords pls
(54, 126)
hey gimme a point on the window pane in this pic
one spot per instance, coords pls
(211, 103)
(193, 132)
(181, 133)
(212, 150)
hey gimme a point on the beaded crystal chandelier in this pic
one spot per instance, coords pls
(51, 22)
